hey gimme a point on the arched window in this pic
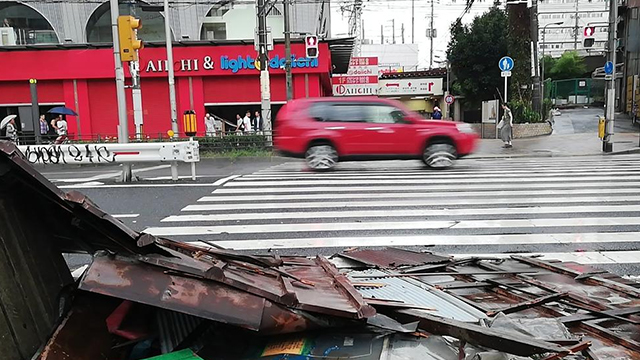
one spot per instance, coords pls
(99, 24)
(22, 25)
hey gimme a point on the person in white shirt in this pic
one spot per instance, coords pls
(61, 126)
(247, 122)
(209, 125)
(12, 132)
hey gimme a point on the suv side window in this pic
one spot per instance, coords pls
(320, 111)
(348, 113)
(384, 114)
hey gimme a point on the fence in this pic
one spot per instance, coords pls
(220, 143)
(575, 91)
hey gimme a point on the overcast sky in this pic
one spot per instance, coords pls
(384, 12)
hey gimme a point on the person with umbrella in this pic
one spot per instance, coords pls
(61, 123)
(9, 123)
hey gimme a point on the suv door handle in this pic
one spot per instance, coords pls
(380, 129)
(334, 128)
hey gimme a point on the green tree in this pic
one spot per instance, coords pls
(519, 43)
(549, 63)
(474, 52)
(569, 66)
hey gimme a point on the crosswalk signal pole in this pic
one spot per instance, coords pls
(607, 142)
(265, 87)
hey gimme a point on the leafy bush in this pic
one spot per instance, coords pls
(523, 113)
(547, 105)
(231, 143)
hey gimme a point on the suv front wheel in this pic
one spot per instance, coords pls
(321, 157)
(439, 156)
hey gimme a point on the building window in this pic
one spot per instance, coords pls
(214, 31)
(22, 25)
(99, 24)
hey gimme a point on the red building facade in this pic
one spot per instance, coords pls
(222, 79)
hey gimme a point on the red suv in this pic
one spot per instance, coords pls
(327, 130)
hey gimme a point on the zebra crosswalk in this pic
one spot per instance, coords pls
(583, 209)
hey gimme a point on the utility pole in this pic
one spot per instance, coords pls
(536, 96)
(287, 51)
(576, 30)
(172, 84)
(136, 94)
(381, 34)
(413, 22)
(393, 30)
(265, 88)
(402, 32)
(431, 39)
(123, 128)
(607, 143)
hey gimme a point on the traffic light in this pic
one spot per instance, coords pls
(588, 42)
(129, 43)
(311, 46)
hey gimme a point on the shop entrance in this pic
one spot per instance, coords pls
(229, 112)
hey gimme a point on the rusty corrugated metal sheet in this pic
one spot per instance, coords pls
(393, 257)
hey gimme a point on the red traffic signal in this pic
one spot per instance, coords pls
(589, 31)
(311, 46)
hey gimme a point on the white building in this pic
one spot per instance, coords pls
(393, 57)
(575, 16)
(76, 21)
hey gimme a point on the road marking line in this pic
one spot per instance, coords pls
(452, 175)
(411, 202)
(125, 216)
(112, 186)
(392, 225)
(586, 257)
(435, 240)
(452, 182)
(411, 195)
(224, 180)
(402, 213)
(391, 187)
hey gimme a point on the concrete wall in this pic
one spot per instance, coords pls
(520, 131)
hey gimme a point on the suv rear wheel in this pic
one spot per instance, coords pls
(439, 155)
(321, 157)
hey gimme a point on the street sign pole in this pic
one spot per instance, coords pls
(506, 78)
(607, 143)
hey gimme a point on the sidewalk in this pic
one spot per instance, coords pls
(625, 140)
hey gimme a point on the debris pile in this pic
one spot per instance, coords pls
(144, 297)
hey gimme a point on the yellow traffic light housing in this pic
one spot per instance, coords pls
(129, 42)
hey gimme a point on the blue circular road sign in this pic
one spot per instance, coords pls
(608, 68)
(506, 63)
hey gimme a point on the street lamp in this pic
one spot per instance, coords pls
(544, 30)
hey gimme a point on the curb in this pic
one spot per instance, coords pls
(635, 150)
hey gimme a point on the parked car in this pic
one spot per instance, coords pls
(327, 130)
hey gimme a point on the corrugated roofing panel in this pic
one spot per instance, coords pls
(413, 292)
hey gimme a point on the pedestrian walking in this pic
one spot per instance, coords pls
(247, 122)
(9, 124)
(239, 124)
(44, 127)
(257, 123)
(506, 126)
(209, 125)
(61, 126)
(437, 113)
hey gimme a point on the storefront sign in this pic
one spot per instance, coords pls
(249, 62)
(412, 87)
(363, 66)
(226, 63)
(355, 89)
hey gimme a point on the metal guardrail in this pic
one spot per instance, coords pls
(106, 153)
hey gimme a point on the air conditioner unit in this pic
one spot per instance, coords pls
(7, 36)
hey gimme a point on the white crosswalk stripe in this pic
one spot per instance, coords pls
(583, 209)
